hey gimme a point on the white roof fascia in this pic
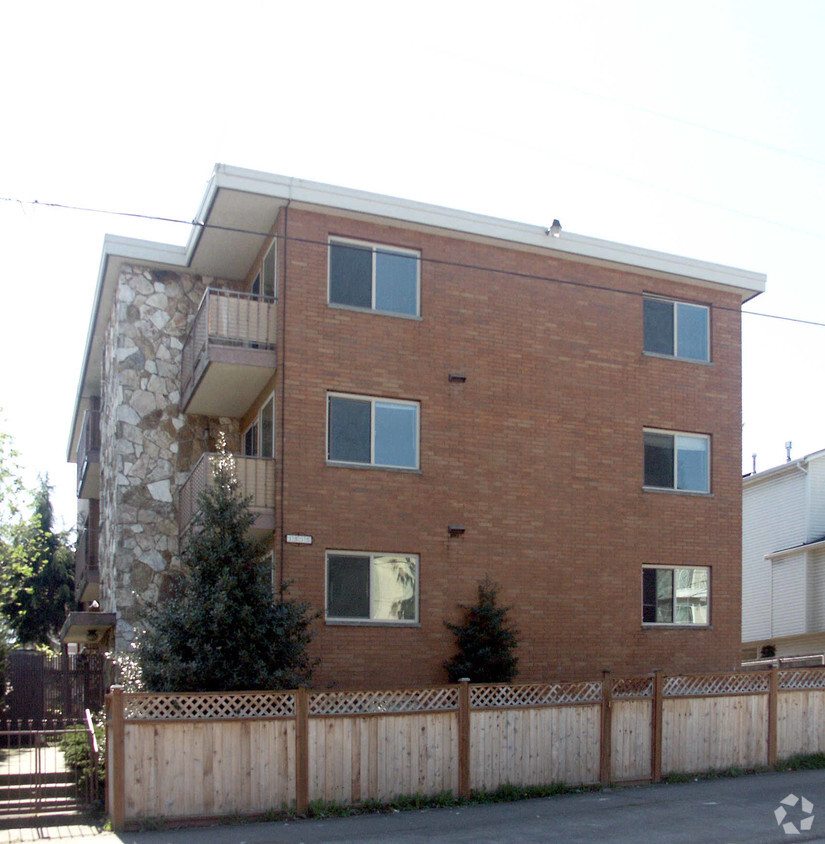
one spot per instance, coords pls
(797, 549)
(346, 199)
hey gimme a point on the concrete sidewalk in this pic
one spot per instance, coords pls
(726, 811)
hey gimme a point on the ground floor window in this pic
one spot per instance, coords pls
(675, 595)
(372, 587)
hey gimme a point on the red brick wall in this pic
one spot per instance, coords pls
(539, 455)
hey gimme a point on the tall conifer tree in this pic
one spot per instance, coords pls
(223, 629)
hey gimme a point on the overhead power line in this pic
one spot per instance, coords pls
(435, 261)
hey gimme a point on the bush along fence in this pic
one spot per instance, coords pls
(194, 756)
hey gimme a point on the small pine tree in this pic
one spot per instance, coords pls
(222, 628)
(485, 641)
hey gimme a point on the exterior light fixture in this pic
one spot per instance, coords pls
(455, 530)
(457, 378)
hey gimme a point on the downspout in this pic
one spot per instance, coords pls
(282, 461)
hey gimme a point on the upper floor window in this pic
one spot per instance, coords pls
(264, 283)
(675, 595)
(372, 587)
(259, 437)
(679, 462)
(676, 329)
(372, 431)
(379, 278)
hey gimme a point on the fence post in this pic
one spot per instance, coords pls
(116, 753)
(656, 726)
(464, 737)
(301, 750)
(607, 727)
(773, 709)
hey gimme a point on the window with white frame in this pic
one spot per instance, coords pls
(676, 595)
(372, 587)
(676, 329)
(264, 283)
(259, 437)
(379, 278)
(676, 461)
(372, 431)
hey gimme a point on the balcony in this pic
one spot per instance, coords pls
(256, 476)
(88, 456)
(86, 571)
(229, 354)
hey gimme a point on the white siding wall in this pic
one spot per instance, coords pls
(816, 591)
(816, 527)
(790, 596)
(773, 517)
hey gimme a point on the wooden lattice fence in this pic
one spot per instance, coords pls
(188, 756)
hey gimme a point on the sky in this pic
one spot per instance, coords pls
(695, 129)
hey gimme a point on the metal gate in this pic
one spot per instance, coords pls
(50, 770)
(47, 688)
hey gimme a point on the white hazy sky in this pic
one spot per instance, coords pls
(693, 128)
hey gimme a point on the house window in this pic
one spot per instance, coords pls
(372, 587)
(264, 284)
(676, 329)
(378, 278)
(259, 437)
(675, 595)
(372, 431)
(680, 462)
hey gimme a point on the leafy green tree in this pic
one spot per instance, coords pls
(37, 575)
(485, 640)
(222, 629)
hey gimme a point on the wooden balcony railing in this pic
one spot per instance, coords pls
(88, 453)
(231, 322)
(256, 477)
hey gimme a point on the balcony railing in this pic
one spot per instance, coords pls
(256, 477)
(231, 331)
(87, 573)
(88, 456)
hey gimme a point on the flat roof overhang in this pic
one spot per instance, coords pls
(87, 628)
(239, 209)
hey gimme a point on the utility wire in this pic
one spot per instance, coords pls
(435, 261)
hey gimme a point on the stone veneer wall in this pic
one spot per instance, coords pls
(148, 446)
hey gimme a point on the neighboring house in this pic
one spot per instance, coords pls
(783, 559)
(417, 398)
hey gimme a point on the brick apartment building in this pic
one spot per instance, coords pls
(419, 397)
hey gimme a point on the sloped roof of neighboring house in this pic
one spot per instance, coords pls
(798, 465)
(239, 209)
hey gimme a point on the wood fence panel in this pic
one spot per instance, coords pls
(800, 722)
(534, 746)
(700, 734)
(179, 769)
(358, 758)
(631, 733)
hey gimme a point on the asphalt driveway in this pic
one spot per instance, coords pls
(722, 811)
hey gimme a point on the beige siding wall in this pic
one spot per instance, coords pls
(789, 598)
(773, 517)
